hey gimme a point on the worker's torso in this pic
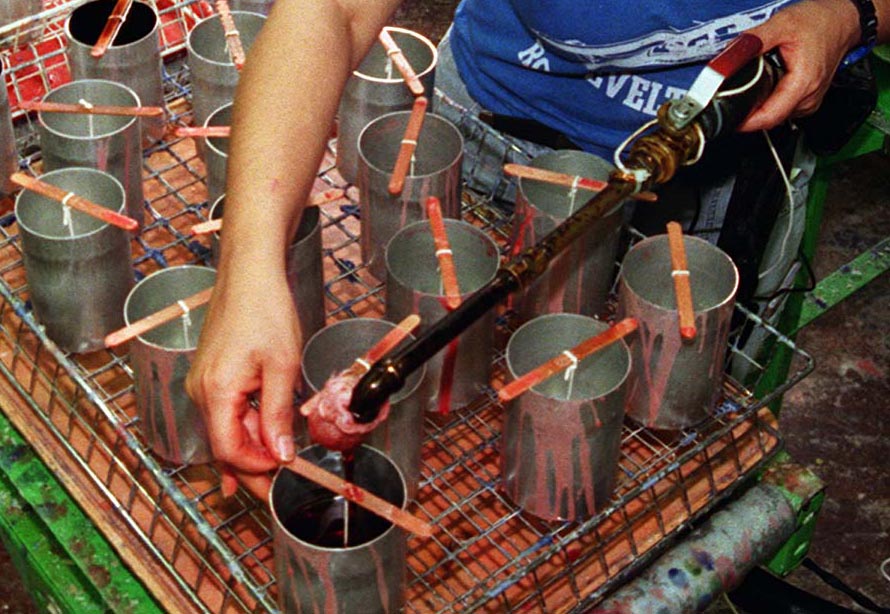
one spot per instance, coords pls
(595, 71)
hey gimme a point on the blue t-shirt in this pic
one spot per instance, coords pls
(594, 70)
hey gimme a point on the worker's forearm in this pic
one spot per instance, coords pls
(284, 108)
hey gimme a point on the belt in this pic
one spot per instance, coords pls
(528, 130)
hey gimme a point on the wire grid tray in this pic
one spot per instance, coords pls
(198, 552)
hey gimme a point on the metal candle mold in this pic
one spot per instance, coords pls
(109, 143)
(675, 384)
(315, 571)
(459, 372)
(377, 88)
(133, 58)
(252, 6)
(434, 172)
(213, 75)
(652, 159)
(9, 160)
(578, 280)
(305, 266)
(12, 11)
(335, 348)
(161, 358)
(78, 267)
(216, 153)
(560, 440)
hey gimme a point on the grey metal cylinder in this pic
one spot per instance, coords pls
(400, 437)
(315, 571)
(460, 371)
(161, 358)
(305, 267)
(436, 172)
(12, 11)
(133, 59)
(252, 6)
(560, 441)
(675, 384)
(579, 279)
(213, 75)
(712, 560)
(376, 88)
(216, 153)
(9, 160)
(107, 142)
(78, 267)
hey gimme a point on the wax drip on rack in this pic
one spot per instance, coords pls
(387, 68)
(411, 164)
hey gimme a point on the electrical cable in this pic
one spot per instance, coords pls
(811, 281)
(836, 583)
(789, 192)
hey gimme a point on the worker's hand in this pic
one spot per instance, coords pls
(812, 36)
(249, 347)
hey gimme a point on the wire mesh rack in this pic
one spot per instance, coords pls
(199, 552)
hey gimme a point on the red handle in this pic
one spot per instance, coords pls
(739, 52)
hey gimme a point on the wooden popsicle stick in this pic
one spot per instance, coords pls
(112, 26)
(398, 58)
(443, 253)
(212, 132)
(158, 318)
(233, 37)
(90, 109)
(319, 198)
(565, 360)
(79, 203)
(409, 144)
(359, 496)
(564, 179)
(208, 227)
(682, 288)
(386, 344)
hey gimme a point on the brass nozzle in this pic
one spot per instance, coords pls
(663, 151)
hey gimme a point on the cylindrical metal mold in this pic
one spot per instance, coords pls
(213, 75)
(376, 88)
(315, 571)
(109, 143)
(161, 358)
(675, 384)
(133, 59)
(305, 267)
(560, 441)
(9, 160)
(78, 267)
(460, 371)
(216, 153)
(435, 172)
(400, 437)
(252, 6)
(578, 280)
(12, 11)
